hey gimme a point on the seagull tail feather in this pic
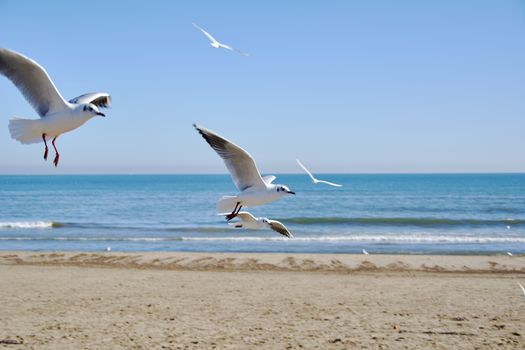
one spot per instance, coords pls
(25, 130)
(226, 204)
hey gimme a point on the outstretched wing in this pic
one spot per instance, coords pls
(306, 170)
(208, 35)
(33, 81)
(99, 99)
(231, 48)
(268, 179)
(246, 216)
(241, 165)
(279, 227)
(329, 183)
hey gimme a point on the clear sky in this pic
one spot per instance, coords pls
(345, 86)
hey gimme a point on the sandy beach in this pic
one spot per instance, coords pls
(253, 301)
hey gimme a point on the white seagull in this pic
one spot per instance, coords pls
(57, 115)
(365, 252)
(314, 180)
(248, 221)
(217, 44)
(510, 254)
(254, 189)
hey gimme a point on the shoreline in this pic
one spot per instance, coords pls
(329, 263)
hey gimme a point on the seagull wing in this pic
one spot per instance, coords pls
(277, 226)
(32, 80)
(231, 48)
(99, 99)
(304, 168)
(246, 216)
(268, 179)
(241, 165)
(329, 183)
(208, 35)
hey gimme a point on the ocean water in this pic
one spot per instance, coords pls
(441, 213)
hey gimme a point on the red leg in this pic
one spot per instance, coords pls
(45, 143)
(57, 156)
(234, 212)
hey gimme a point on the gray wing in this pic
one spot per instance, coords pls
(246, 216)
(32, 80)
(241, 165)
(279, 227)
(99, 99)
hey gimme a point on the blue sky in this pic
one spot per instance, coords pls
(345, 86)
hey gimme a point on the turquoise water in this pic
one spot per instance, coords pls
(454, 213)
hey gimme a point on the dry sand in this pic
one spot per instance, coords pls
(252, 301)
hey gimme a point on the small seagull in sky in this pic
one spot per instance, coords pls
(314, 180)
(57, 116)
(509, 254)
(365, 252)
(217, 44)
(254, 189)
(248, 221)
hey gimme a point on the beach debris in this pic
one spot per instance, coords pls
(314, 180)
(8, 341)
(522, 288)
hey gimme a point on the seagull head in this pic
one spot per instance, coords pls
(92, 110)
(215, 45)
(283, 190)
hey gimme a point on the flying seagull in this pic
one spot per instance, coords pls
(510, 254)
(217, 44)
(248, 221)
(57, 116)
(365, 252)
(254, 189)
(314, 180)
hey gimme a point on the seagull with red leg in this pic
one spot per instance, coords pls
(57, 116)
(254, 189)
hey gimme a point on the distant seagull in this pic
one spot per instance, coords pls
(108, 249)
(522, 289)
(254, 189)
(314, 180)
(217, 44)
(365, 252)
(247, 220)
(508, 227)
(509, 254)
(57, 115)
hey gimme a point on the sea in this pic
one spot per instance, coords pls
(381, 213)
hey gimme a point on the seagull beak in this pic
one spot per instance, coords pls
(101, 114)
(291, 192)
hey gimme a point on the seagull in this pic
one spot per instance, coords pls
(254, 189)
(108, 249)
(365, 252)
(217, 44)
(509, 254)
(248, 221)
(314, 180)
(522, 289)
(57, 116)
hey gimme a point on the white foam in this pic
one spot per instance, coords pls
(27, 224)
